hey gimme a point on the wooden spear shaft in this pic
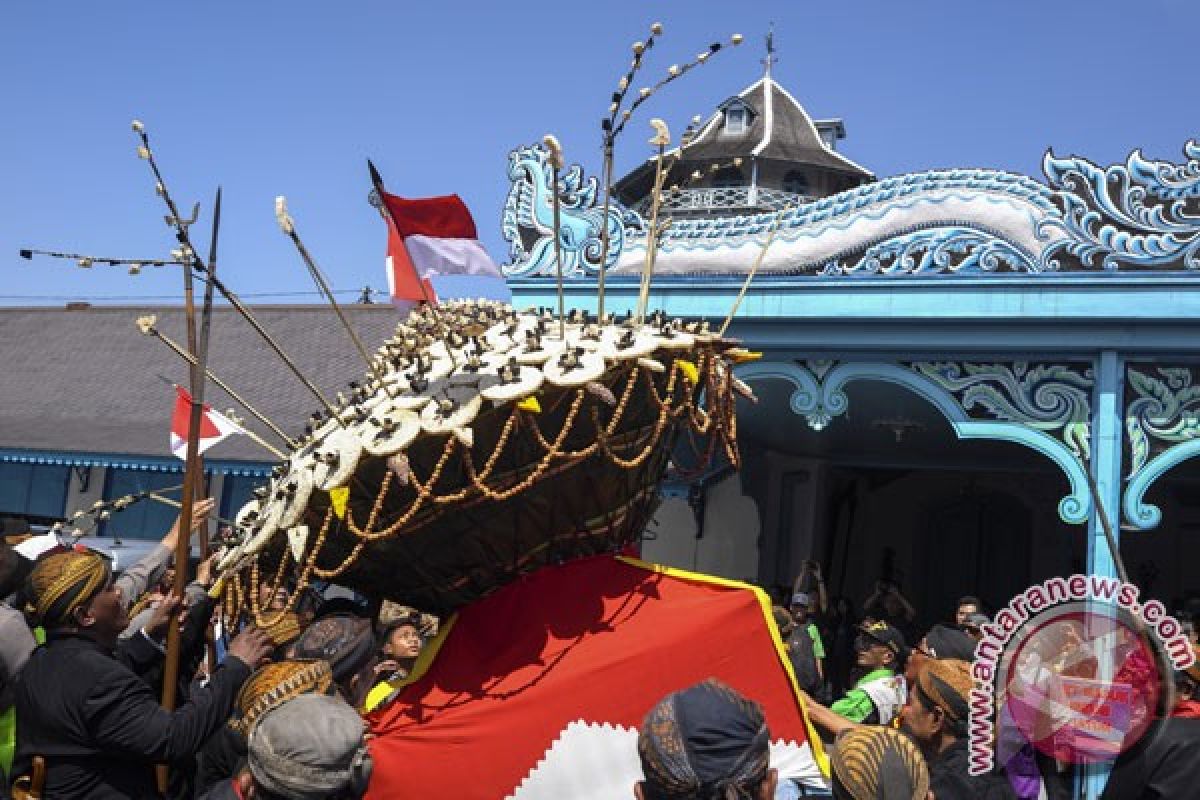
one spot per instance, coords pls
(1106, 524)
(194, 469)
(199, 484)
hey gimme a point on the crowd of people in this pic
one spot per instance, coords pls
(267, 712)
(276, 711)
(860, 677)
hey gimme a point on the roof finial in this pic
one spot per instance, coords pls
(770, 59)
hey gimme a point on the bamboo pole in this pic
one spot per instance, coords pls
(190, 261)
(556, 165)
(146, 325)
(754, 269)
(288, 226)
(604, 237)
(662, 138)
(168, 501)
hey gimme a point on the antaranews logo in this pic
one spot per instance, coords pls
(1070, 666)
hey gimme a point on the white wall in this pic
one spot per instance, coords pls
(729, 546)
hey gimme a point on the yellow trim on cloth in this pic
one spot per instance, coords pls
(385, 689)
(764, 603)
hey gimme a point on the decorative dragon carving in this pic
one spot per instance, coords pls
(1142, 215)
(528, 221)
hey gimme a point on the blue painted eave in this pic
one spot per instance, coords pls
(1066, 297)
(129, 461)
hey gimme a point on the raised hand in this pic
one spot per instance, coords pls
(251, 646)
(166, 610)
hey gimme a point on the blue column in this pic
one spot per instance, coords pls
(1107, 413)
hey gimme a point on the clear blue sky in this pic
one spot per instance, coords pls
(271, 97)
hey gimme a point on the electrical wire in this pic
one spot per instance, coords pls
(106, 298)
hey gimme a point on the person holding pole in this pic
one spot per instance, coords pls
(96, 724)
(135, 581)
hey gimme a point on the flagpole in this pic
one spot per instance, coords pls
(377, 184)
(194, 467)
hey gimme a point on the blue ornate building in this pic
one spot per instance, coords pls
(946, 354)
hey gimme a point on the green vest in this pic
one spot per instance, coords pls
(8, 724)
(8, 740)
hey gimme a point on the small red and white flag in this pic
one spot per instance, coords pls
(434, 237)
(213, 426)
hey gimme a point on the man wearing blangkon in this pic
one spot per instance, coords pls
(97, 724)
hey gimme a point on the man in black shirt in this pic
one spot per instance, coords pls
(1165, 762)
(97, 724)
(936, 716)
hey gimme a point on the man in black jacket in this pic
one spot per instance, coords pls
(96, 723)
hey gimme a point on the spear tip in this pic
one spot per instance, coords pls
(376, 178)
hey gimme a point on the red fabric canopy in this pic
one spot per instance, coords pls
(592, 642)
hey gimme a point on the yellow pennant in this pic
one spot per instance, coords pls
(530, 404)
(740, 355)
(689, 371)
(339, 497)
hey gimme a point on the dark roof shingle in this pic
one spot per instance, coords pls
(89, 381)
(793, 138)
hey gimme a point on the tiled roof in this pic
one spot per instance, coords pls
(89, 381)
(779, 130)
(791, 136)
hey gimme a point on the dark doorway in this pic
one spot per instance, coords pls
(979, 544)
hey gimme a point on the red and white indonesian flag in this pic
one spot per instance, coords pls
(537, 690)
(428, 237)
(213, 426)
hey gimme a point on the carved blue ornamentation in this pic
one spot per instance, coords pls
(944, 249)
(1045, 407)
(866, 198)
(528, 218)
(1046, 397)
(1162, 423)
(1140, 214)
